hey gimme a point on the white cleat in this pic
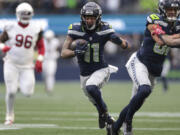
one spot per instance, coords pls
(9, 120)
(127, 129)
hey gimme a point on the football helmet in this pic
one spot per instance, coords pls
(49, 34)
(169, 9)
(24, 13)
(91, 9)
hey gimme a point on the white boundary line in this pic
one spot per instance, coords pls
(138, 114)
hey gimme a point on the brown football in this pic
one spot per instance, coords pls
(74, 43)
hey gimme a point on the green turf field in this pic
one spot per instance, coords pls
(68, 112)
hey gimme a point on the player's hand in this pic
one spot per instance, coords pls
(6, 49)
(158, 30)
(80, 49)
(38, 66)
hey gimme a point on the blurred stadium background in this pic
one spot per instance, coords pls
(128, 18)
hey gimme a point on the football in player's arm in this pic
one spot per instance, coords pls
(94, 71)
(19, 41)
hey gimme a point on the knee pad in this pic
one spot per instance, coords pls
(145, 90)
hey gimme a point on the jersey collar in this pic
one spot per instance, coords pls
(23, 25)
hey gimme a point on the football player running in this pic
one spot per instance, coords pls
(94, 71)
(19, 40)
(146, 64)
(50, 60)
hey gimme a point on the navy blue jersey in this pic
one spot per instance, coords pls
(93, 59)
(150, 53)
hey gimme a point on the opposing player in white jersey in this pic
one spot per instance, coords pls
(19, 41)
(50, 59)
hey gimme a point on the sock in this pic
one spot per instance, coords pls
(95, 93)
(165, 84)
(10, 99)
(117, 125)
(137, 101)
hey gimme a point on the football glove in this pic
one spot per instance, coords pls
(158, 30)
(4, 48)
(80, 49)
(38, 66)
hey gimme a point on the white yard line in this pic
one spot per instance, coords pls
(138, 114)
(21, 126)
(95, 119)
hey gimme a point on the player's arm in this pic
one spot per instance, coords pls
(171, 40)
(40, 47)
(41, 52)
(3, 38)
(151, 28)
(119, 41)
(66, 52)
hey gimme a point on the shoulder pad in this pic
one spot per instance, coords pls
(75, 29)
(152, 18)
(106, 29)
(74, 26)
(8, 26)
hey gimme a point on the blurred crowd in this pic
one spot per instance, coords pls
(71, 6)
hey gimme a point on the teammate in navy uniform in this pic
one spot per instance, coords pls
(146, 64)
(94, 71)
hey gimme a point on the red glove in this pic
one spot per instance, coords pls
(6, 49)
(158, 30)
(38, 66)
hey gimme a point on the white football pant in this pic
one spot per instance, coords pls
(139, 74)
(98, 78)
(15, 78)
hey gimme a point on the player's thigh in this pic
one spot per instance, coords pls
(137, 71)
(49, 67)
(99, 77)
(11, 75)
(27, 81)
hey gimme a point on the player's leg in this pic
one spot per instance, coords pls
(141, 89)
(27, 81)
(92, 87)
(11, 75)
(166, 68)
(140, 77)
(49, 70)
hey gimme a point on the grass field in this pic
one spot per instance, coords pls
(68, 112)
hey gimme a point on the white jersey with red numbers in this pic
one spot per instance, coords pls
(22, 42)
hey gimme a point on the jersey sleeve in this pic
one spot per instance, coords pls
(153, 19)
(75, 32)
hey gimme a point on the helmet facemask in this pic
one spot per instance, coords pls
(169, 9)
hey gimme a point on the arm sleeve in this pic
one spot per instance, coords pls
(40, 45)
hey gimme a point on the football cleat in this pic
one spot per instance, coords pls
(9, 119)
(127, 128)
(110, 130)
(105, 119)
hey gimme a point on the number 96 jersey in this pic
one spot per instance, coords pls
(22, 41)
(151, 54)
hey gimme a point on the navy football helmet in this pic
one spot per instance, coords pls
(91, 9)
(169, 9)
